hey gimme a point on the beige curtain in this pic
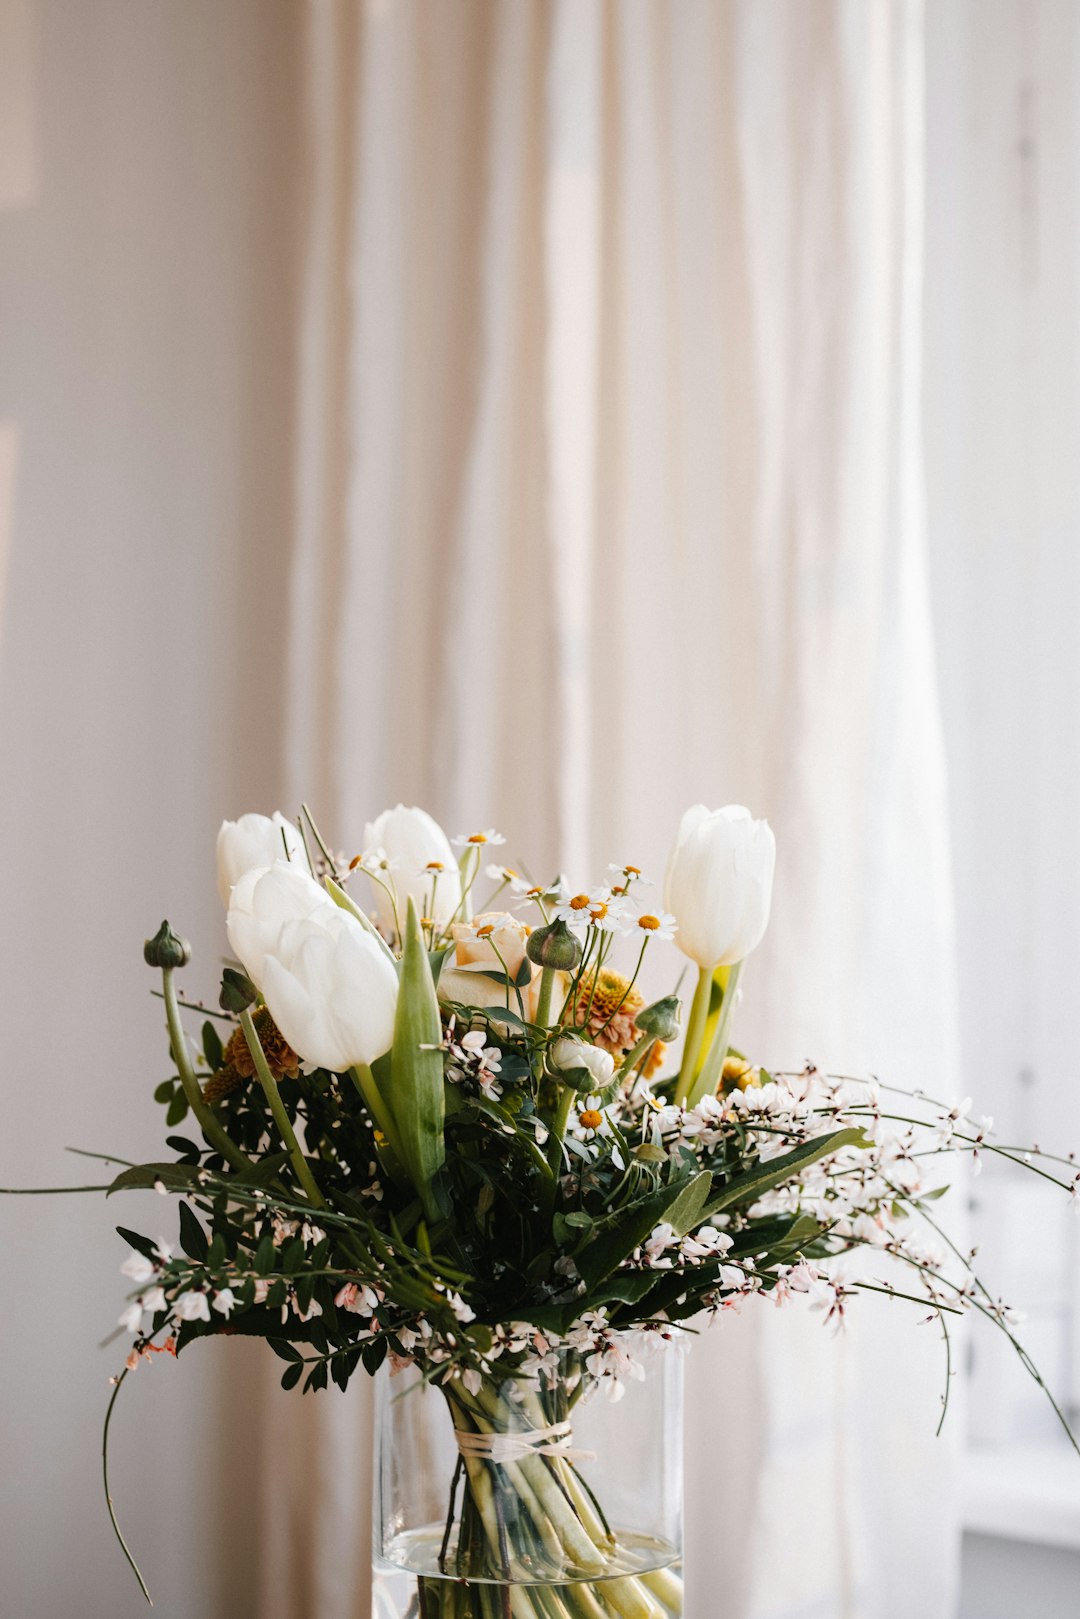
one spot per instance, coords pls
(609, 500)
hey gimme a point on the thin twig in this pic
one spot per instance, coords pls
(108, 1498)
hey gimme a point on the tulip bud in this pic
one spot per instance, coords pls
(582, 1066)
(719, 884)
(330, 988)
(237, 991)
(661, 1019)
(554, 946)
(421, 866)
(252, 841)
(166, 949)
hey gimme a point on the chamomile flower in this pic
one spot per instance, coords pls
(575, 909)
(376, 862)
(607, 910)
(625, 876)
(655, 924)
(506, 876)
(478, 840)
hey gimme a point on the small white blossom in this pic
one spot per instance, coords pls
(138, 1267)
(191, 1306)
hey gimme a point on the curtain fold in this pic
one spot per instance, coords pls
(610, 500)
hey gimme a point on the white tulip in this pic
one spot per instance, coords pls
(255, 840)
(568, 1054)
(330, 986)
(417, 850)
(719, 884)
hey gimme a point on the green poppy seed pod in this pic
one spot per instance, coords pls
(237, 991)
(554, 946)
(165, 949)
(661, 1019)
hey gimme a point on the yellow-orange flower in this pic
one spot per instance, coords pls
(612, 1005)
(237, 1065)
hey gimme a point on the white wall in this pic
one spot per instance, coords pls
(144, 356)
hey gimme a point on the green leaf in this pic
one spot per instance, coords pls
(754, 1183)
(292, 1375)
(265, 1256)
(373, 1355)
(679, 1205)
(262, 1171)
(213, 1050)
(292, 1257)
(628, 1288)
(345, 903)
(178, 1109)
(164, 1091)
(417, 1067)
(144, 1177)
(285, 1350)
(141, 1245)
(193, 1239)
(437, 959)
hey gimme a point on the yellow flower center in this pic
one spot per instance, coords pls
(632, 871)
(598, 912)
(649, 923)
(485, 931)
(435, 865)
(534, 893)
(478, 837)
(580, 902)
(591, 1119)
(355, 861)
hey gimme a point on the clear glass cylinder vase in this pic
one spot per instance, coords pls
(508, 1501)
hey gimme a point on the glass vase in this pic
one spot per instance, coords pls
(510, 1501)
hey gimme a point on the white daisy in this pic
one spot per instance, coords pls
(655, 924)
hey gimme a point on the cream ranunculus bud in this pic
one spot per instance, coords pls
(418, 852)
(252, 841)
(478, 946)
(330, 986)
(719, 884)
(586, 1067)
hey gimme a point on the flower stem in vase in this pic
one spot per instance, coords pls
(525, 1537)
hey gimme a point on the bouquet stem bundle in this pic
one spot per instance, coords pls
(525, 1532)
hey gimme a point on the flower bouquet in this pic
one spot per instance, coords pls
(450, 1143)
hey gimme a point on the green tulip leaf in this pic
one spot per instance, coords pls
(755, 1182)
(419, 1104)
